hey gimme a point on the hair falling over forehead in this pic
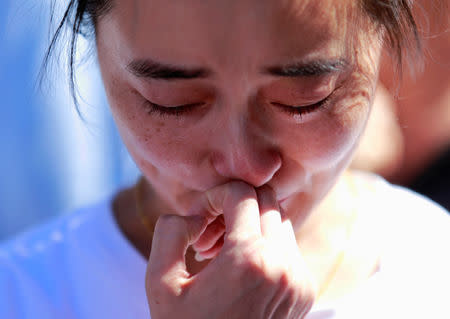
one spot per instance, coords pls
(392, 18)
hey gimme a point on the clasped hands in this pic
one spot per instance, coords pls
(256, 271)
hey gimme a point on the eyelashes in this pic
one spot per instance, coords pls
(185, 109)
(176, 111)
(303, 109)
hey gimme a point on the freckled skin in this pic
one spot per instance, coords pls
(239, 134)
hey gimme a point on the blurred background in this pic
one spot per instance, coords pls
(52, 161)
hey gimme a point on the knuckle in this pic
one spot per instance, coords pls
(303, 298)
(250, 253)
(291, 298)
(154, 274)
(284, 281)
(161, 288)
(168, 221)
(298, 296)
(155, 291)
(253, 262)
(248, 263)
(218, 197)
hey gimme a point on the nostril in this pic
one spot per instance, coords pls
(218, 163)
(265, 169)
(255, 169)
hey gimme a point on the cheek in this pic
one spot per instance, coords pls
(326, 142)
(158, 146)
(154, 149)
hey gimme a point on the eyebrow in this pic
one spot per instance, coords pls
(309, 69)
(156, 70)
(150, 69)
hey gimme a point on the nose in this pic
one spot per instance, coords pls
(245, 157)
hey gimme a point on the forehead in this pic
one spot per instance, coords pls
(200, 29)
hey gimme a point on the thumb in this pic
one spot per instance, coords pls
(173, 235)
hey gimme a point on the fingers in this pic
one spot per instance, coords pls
(245, 259)
(209, 243)
(212, 252)
(288, 231)
(173, 234)
(238, 203)
(210, 236)
(272, 225)
(270, 212)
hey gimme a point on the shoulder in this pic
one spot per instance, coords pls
(414, 236)
(35, 265)
(402, 216)
(410, 235)
(399, 203)
(50, 235)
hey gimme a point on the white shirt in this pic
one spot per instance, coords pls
(81, 266)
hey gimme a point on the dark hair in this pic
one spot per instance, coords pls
(393, 18)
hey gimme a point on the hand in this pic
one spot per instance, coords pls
(258, 273)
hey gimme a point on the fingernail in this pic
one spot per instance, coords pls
(199, 257)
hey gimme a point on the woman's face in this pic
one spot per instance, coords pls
(264, 91)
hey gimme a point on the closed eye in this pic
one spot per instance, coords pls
(303, 109)
(178, 110)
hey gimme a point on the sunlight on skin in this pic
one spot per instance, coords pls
(239, 132)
